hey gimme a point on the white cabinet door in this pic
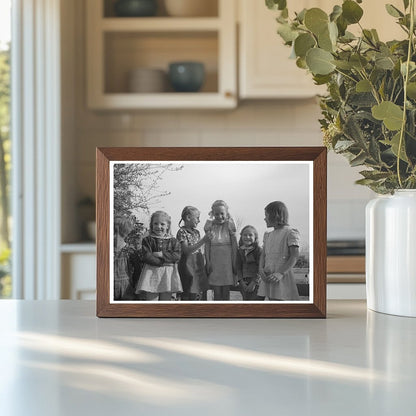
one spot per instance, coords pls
(78, 276)
(265, 69)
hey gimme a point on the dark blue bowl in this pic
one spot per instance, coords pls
(135, 8)
(186, 76)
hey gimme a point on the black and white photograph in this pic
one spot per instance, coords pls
(211, 231)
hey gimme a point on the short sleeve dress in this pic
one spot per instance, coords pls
(192, 266)
(221, 254)
(276, 252)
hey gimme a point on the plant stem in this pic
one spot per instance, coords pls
(406, 79)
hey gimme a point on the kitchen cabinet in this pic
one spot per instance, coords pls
(78, 264)
(265, 70)
(118, 45)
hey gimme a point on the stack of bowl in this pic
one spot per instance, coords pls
(147, 80)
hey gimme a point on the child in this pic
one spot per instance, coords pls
(160, 253)
(280, 252)
(122, 272)
(191, 265)
(248, 258)
(134, 246)
(221, 251)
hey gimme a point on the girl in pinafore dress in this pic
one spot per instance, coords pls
(192, 264)
(160, 255)
(221, 251)
(280, 252)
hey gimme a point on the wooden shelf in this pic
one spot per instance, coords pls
(117, 45)
(160, 24)
(346, 264)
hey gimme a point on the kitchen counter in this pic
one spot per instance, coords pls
(57, 358)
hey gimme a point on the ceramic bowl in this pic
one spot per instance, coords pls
(186, 76)
(191, 8)
(147, 80)
(135, 8)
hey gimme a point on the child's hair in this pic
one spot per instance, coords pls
(161, 214)
(123, 225)
(278, 213)
(216, 204)
(256, 235)
(189, 209)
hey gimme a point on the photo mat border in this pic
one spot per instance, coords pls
(314, 309)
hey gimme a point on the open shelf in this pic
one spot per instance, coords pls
(118, 45)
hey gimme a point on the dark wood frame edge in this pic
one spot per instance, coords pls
(104, 308)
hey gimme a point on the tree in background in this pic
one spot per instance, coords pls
(4, 144)
(5, 165)
(136, 186)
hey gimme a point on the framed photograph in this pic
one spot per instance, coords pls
(211, 232)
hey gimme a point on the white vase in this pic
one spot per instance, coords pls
(391, 253)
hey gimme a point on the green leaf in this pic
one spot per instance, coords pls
(394, 143)
(358, 61)
(351, 11)
(319, 61)
(363, 86)
(321, 79)
(316, 20)
(303, 43)
(411, 90)
(345, 65)
(391, 114)
(384, 62)
(343, 145)
(301, 63)
(301, 15)
(276, 4)
(325, 42)
(393, 11)
(375, 35)
(342, 25)
(287, 33)
(358, 160)
(336, 12)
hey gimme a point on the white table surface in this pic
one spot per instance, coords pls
(57, 358)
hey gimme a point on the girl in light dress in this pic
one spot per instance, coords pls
(221, 251)
(192, 264)
(160, 255)
(280, 252)
(248, 259)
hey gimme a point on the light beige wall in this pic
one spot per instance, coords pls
(253, 123)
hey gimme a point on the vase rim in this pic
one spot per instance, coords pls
(405, 191)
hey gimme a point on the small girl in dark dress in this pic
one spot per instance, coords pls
(248, 260)
(192, 265)
(160, 255)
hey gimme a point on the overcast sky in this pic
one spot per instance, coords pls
(246, 187)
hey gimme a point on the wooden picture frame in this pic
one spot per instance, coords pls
(310, 162)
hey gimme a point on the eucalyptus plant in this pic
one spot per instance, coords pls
(369, 111)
